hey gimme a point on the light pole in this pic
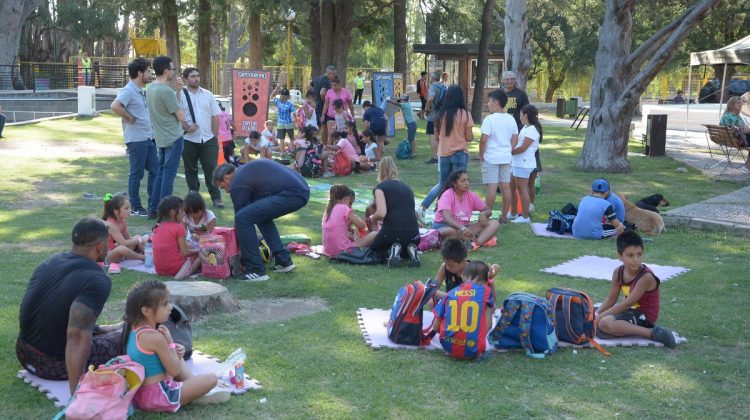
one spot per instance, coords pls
(289, 18)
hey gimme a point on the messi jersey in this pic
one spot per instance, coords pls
(463, 323)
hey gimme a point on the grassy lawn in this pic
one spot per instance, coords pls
(319, 366)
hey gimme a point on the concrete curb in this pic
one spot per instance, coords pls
(705, 224)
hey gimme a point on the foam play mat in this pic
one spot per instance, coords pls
(600, 268)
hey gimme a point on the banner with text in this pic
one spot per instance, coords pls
(250, 90)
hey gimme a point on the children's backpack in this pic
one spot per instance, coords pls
(178, 324)
(214, 261)
(437, 101)
(404, 150)
(107, 392)
(405, 322)
(527, 323)
(341, 165)
(560, 223)
(429, 240)
(312, 166)
(573, 315)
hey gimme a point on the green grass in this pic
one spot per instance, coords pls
(319, 366)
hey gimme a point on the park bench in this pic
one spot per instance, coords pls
(727, 146)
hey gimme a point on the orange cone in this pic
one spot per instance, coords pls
(221, 160)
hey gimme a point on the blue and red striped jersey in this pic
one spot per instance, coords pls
(463, 320)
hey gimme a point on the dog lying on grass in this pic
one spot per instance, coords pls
(646, 221)
(652, 202)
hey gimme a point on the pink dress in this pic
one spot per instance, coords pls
(167, 257)
(331, 95)
(111, 244)
(336, 231)
(460, 209)
(347, 149)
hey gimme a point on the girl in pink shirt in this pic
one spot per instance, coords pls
(120, 245)
(342, 228)
(172, 256)
(341, 145)
(456, 202)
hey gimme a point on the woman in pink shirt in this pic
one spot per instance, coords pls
(456, 202)
(342, 228)
(336, 92)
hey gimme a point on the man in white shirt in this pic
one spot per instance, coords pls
(201, 144)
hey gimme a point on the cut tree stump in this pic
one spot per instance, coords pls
(198, 298)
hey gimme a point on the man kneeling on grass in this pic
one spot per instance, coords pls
(58, 335)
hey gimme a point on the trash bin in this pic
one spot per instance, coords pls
(560, 111)
(656, 134)
(571, 107)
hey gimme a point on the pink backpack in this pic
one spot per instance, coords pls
(429, 241)
(214, 260)
(106, 393)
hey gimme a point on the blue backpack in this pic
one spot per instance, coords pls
(437, 101)
(527, 322)
(404, 150)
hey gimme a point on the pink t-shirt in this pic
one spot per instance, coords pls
(336, 231)
(111, 244)
(331, 95)
(167, 258)
(225, 128)
(460, 209)
(353, 141)
(347, 149)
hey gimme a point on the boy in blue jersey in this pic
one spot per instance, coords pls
(596, 218)
(464, 316)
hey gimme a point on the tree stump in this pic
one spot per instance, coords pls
(198, 298)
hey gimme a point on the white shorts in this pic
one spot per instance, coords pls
(522, 172)
(493, 173)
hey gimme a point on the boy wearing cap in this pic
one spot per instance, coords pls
(411, 124)
(592, 210)
(285, 111)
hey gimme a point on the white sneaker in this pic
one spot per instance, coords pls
(521, 219)
(510, 216)
(531, 207)
(214, 396)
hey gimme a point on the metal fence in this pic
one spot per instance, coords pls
(50, 76)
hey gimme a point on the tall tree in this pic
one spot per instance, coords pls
(399, 38)
(12, 15)
(477, 102)
(621, 77)
(256, 39)
(171, 30)
(313, 23)
(203, 35)
(517, 40)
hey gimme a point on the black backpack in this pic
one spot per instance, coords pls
(312, 166)
(179, 327)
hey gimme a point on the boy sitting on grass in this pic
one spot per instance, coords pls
(592, 210)
(455, 255)
(637, 314)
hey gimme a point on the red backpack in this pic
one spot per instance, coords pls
(341, 165)
(405, 323)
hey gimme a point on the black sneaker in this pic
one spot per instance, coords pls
(139, 212)
(152, 215)
(284, 267)
(218, 204)
(414, 260)
(394, 255)
(664, 336)
(254, 277)
(432, 161)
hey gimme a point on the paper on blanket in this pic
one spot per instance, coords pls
(59, 392)
(600, 268)
(540, 229)
(137, 265)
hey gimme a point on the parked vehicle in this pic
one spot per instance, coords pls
(710, 92)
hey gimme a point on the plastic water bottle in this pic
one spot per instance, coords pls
(239, 375)
(149, 252)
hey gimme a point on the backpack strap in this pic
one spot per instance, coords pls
(190, 104)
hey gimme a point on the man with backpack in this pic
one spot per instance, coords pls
(58, 336)
(435, 95)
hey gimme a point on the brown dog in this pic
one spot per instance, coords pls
(645, 220)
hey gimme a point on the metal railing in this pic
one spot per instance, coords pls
(51, 76)
(21, 116)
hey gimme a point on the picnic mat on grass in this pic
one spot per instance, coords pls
(600, 268)
(59, 393)
(540, 229)
(137, 265)
(372, 324)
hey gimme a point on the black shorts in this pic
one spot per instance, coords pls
(378, 130)
(430, 128)
(538, 162)
(635, 317)
(386, 237)
(424, 102)
(327, 118)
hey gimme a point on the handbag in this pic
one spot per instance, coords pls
(179, 327)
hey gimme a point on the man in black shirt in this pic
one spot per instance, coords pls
(517, 98)
(321, 85)
(58, 336)
(262, 190)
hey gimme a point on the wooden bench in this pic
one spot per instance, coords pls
(726, 145)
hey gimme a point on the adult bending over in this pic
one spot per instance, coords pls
(58, 336)
(394, 203)
(455, 206)
(261, 191)
(453, 125)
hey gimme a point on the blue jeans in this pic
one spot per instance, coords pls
(262, 213)
(448, 165)
(169, 163)
(142, 156)
(411, 131)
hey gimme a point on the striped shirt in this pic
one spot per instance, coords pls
(205, 108)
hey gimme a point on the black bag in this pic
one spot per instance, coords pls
(569, 209)
(179, 326)
(361, 256)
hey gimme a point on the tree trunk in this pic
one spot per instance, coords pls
(555, 79)
(203, 43)
(12, 15)
(172, 32)
(619, 82)
(477, 101)
(198, 298)
(342, 36)
(399, 38)
(327, 25)
(256, 41)
(517, 40)
(122, 46)
(313, 23)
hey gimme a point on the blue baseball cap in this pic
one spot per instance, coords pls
(600, 185)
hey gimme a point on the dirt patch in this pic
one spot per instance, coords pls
(48, 149)
(35, 247)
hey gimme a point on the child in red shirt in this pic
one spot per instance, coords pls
(172, 256)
